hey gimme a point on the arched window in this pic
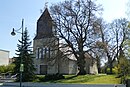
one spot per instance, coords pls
(37, 53)
(44, 52)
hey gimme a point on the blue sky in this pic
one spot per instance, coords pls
(12, 12)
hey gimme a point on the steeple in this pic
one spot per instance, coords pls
(44, 25)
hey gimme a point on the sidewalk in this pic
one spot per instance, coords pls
(31, 84)
(24, 84)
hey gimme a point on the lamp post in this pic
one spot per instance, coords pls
(13, 33)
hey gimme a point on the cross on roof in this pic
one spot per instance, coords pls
(46, 5)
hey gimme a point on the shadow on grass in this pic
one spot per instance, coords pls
(60, 80)
(70, 77)
(51, 78)
(55, 78)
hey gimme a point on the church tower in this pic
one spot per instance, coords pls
(44, 26)
(45, 45)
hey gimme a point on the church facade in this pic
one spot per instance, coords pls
(48, 56)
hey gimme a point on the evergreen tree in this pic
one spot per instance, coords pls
(25, 57)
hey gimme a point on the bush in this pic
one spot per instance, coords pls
(51, 77)
(7, 68)
(114, 70)
(41, 78)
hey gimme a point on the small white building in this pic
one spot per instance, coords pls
(4, 57)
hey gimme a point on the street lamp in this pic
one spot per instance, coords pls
(13, 33)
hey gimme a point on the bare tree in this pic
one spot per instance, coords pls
(112, 40)
(74, 20)
(119, 31)
(99, 46)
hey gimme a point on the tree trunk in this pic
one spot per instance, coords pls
(110, 66)
(81, 70)
(109, 63)
(81, 65)
(98, 64)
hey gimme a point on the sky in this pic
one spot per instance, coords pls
(13, 11)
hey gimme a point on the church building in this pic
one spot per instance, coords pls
(48, 55)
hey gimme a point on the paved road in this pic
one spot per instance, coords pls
(30, 84)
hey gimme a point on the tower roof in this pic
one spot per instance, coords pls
(44, 25)
(45, 15)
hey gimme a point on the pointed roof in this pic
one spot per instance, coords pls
(45, 15)
(44, 25)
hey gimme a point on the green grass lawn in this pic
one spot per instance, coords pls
(88, 79)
